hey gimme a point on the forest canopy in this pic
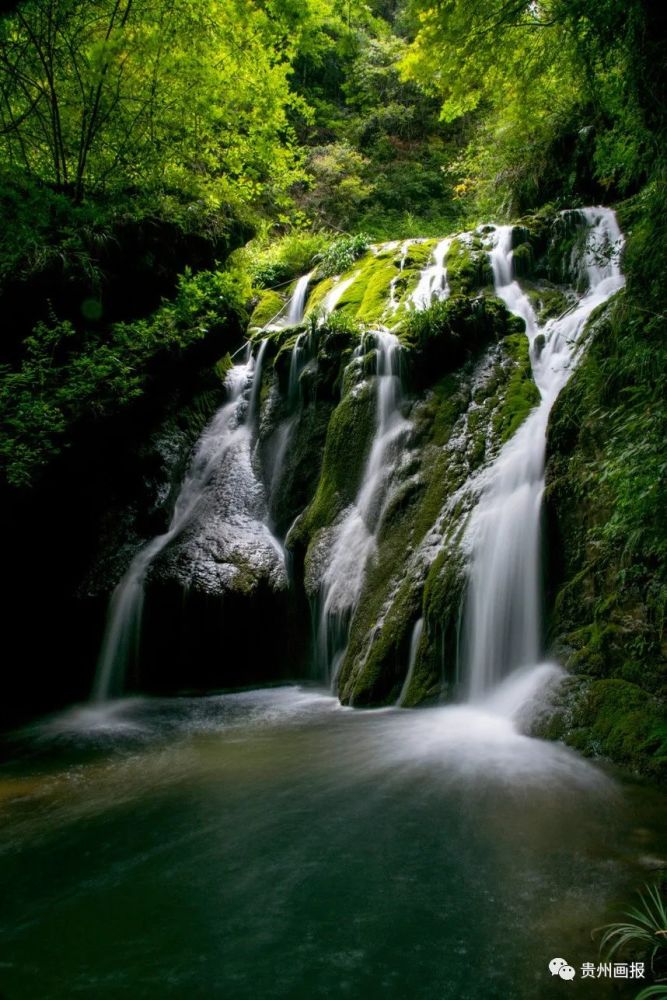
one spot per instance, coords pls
(333, 112)
(191, 98)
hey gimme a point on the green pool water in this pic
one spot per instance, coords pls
(273, 844)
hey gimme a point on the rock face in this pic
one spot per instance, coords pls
(304, 512)
(606, 589)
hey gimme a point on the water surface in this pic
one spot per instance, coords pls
(273, 844)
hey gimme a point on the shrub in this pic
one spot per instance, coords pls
(342, 253)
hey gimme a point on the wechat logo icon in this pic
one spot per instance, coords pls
(559, 967)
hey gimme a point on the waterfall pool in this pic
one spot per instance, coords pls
(273, 844)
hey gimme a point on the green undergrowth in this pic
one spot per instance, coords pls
(67, 376)
(269, 304)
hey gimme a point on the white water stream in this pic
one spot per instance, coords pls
(502, 611)
(297, 303)
(227, 440)
(433, 279)
(356, 536)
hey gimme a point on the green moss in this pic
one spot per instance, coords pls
(319, 291)
(592, 645)
(547, 301)
(567, 240)
(408, 270)
(377, 656)
(522, 260)
(375, 300)
(443, 596)
(222, 366)
(468, 267)
(351, 299)
(619, 720)
(521, 394)
(449, 401)
(418, 255)
(443, 337)
(347, 441)
(268, 306)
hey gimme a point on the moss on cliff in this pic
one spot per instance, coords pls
(268, 306)
(468, 266)
(521, 394)
(454, 429)
(606, 508)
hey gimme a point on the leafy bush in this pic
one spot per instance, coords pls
(445, 335)
(338, 185)
(342, 253)
(65, 377)
(270, 264)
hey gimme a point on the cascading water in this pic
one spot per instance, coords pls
(333, 297)
(355, 539)
(282, 436)
(414, 646)
(292, 313)
(433, 279)
(297, 303)
(502, 609)
(228, 433)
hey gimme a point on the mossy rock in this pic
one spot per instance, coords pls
(268, 306)
(619, 720)
(468, 267)
(419, 254)
(521, 394)
(318, 293)
(567, 240)
(449, 333)
(376, 660)
(523, 261)
(375, 300)
(548, 301)
(348, 438)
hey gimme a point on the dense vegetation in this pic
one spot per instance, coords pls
(295, 121)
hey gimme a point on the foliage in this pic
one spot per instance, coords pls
(271, 263)
(376, 146)
(646, 929)
(340, 255)
(552, 88)
(65, 377)
(337, 187)
(136, 93)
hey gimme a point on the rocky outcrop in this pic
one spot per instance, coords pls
(605, 587)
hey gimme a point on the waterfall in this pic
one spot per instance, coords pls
(282, 436)
(230, 428)
(253, 403)
(292, 313)
(502, 619)
(297, 303)
(335, 294)
(433, 279)
(356, 536)
(414, 646)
